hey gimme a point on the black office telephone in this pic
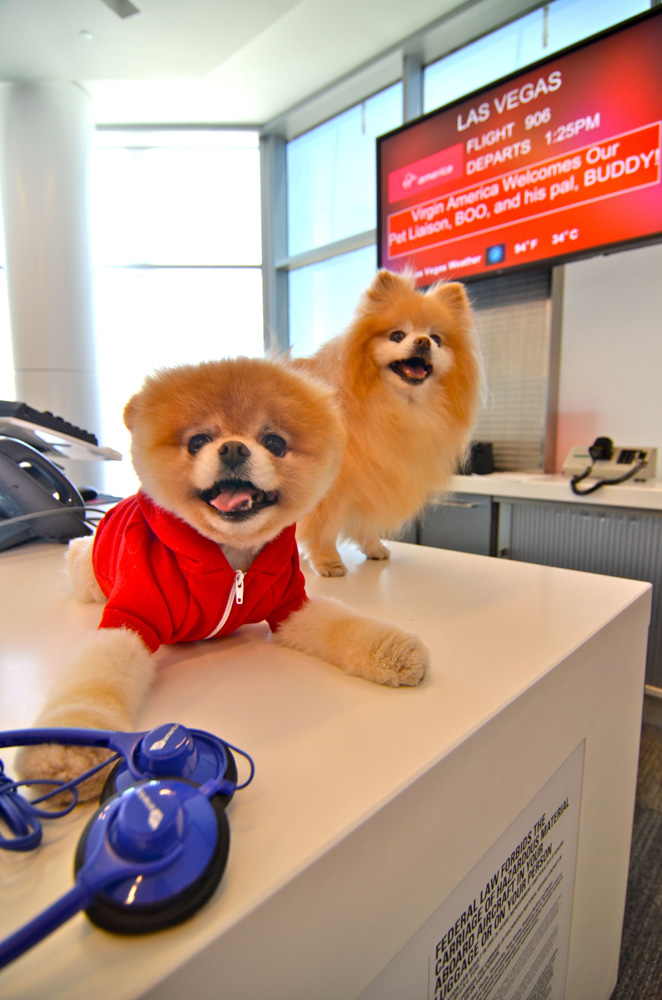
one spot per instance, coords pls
(36, 498)
(609, 464)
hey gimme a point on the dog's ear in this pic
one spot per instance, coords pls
(453, 294)
(130, 411)
(385, 283)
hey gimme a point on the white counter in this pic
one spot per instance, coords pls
(537, 486)
(369, 805)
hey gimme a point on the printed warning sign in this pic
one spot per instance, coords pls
(504, 932)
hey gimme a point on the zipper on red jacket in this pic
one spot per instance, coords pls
(236, 596)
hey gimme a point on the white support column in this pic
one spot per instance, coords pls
(46, 132)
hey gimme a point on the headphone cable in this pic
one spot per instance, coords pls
(22, 816)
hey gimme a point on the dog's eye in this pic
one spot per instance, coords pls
(436, 338)
(275, 444)
(397, 336)
(197, 442)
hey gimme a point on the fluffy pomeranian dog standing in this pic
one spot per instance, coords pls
(229, 455)
(407, 376)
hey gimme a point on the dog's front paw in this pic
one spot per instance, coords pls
(326, 561)
(51, 762)
(397, 659)
(376, 550)
(330, 567)
(359, 645)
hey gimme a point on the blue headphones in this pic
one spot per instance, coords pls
(156, 849)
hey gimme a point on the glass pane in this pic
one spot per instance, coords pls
(152, 318)
(331, 173)
(516, 45)
(7, 390)
(194, 204)
(572, 20)
(323, 297)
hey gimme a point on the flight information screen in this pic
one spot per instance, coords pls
(557, 161)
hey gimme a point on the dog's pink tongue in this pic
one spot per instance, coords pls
(229, 499)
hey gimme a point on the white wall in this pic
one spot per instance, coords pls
(611, 352)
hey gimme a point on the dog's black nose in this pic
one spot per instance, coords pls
(234, 453)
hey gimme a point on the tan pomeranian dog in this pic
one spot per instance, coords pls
(229, 455)
(407, 376)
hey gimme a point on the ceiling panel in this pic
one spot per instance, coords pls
(201, 60)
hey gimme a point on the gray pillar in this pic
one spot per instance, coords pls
(46, 132)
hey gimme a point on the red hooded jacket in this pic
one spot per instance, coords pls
(167, 582)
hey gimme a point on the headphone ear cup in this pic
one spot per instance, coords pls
(120, 778)
(163, 899)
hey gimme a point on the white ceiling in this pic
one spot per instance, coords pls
(231, 61)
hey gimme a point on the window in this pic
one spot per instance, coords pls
(323, 297)
(332, 197)
(331, 173)
(177, 239)
(532, 37)
(176, 220)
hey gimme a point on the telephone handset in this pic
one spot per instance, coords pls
(31, 485)
(608, 464)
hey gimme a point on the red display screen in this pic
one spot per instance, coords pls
(560, 160)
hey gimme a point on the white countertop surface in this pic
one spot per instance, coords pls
(538, 486)
(329, 750)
